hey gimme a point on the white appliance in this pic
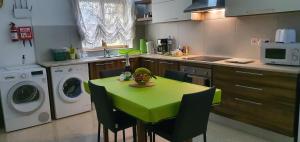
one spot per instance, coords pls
(24, 97)
(69, 97)
(285, 36)
(281, 54)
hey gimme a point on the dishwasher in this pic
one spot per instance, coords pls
(198, 75)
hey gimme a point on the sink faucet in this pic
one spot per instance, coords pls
(106, 53)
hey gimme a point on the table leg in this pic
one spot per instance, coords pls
(141, 135)
(105, 134)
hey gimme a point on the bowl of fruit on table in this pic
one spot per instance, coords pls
(142, 76)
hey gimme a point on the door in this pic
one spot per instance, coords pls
(26, 97)
(70, 89)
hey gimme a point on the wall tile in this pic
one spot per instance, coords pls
(261, 27)
(219, 37)
(191, 33)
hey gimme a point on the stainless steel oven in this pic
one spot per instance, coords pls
(198, 75)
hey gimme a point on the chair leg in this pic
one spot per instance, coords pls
(150, 135)
(134, 133)
(116, 136)
(99, 131)
(123, 135)
(204, 137)
(153, 134)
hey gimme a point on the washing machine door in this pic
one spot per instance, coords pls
(70, 88)
(26, 97)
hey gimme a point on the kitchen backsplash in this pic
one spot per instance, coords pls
(225, 36)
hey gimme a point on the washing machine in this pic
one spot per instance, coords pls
(24, 97)
(69, 96)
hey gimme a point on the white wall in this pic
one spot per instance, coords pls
(226, 36)
(11, 53)
(52, 13)
(45, 14)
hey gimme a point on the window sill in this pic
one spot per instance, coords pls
(106, 47)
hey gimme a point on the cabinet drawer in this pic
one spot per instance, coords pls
(275, 117)
(265, 92)
(256, 77)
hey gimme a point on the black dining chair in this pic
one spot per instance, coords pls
(111, 73)
(191, 120)
(111, 119)
(175, 75)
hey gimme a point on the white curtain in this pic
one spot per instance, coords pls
(112, 21)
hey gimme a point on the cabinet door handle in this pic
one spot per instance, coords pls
(248, 87)
(100, 64)
(166, 63)
(162, 1)
(125, 61)
(149, 61)
(109, 63)
(249, 73)
(248, 101)
(176, 18)
(103, 64)
(255, 11)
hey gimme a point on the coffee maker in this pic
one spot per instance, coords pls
(164, 46)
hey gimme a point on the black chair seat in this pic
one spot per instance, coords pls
(111, 119)
(175, 75)
(123, 120)
(191, 119)
(111, 73)
(165, 129)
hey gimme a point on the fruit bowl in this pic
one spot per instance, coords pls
(142, 76)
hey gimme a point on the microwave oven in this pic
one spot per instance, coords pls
(280, 53)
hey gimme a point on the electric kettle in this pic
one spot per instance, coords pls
(285, 36)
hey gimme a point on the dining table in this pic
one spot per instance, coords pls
(151, 104)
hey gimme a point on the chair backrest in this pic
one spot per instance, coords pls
(175, 75)
(103, 104)
(193, 115)
(111, 73)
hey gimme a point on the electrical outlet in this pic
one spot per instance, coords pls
(255, 41)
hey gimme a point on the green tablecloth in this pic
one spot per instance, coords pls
(150, 104)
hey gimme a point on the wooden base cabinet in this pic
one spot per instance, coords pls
(151, 64)
(261, 98)
(97, 67)
(164, 65)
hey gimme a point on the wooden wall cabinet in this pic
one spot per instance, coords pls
(253, 7)
(170, 10)
(261, 98)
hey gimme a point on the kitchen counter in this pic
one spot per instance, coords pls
(254, 65)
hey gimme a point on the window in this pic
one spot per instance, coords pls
(111, 21)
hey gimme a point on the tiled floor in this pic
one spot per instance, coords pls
(83, 128)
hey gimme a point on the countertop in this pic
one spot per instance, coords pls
(254, 65)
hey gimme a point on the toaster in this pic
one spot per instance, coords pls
(285, 36)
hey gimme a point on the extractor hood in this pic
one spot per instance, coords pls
(205, 5)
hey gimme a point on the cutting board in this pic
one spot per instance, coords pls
(239, 61)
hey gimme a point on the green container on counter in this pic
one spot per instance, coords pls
(60, 54)
(143, 47)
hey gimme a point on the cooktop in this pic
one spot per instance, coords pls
(207, 58)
